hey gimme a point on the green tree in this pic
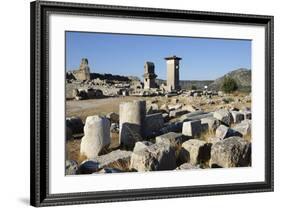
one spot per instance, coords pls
(193, 87)
(229, 85)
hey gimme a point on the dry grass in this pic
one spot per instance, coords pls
(248, 137)
(73, 148)
(123, 165)
(206, 135)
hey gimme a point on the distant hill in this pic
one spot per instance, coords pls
(242, 77)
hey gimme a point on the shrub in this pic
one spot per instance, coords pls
(193, 87)
(229, 85)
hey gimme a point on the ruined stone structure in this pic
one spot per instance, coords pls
(83, 73)
(173, 73)
(149, 76)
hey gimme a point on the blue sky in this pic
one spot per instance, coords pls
(202, 58)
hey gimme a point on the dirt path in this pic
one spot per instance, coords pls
(102, 106)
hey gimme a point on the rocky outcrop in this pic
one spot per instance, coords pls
(242, 77)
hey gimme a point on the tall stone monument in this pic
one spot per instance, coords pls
(173, 73)
(83, 73)
(149, 75)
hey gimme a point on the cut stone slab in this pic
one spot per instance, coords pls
(71, 167)
(199, 151)
(154, 157)
(132, 119)
(231, 152)
(177, 113)
(248, 114)
(96, 136)
(75, 124)
(224, 116)
(141, 145)
(192, 128)
(223, 132)
(211, 122)
(244, 127)
(153, 123)
(197, 115)
(237, 116)
(171, 127)
(151, 108)
(116, 156)
(171, 138)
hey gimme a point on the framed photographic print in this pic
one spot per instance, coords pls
(131, 103)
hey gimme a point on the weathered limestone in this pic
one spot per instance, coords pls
(132, 117)
(97, 136)
(237, 116)
(224, 116)
(116, 156)
(231, 152)
(176, 113)
(223, 132)
(214, 140)
(75, 124)
(151, 108)
(173, 73)
(212, 123)
(197, 115)
(248, 114)
(149, 76)
(141, 145)
(198, 150)
(159, 156)
(192, 128)
(153, 123)
(83, 73)
(171, 138)
(244, 127)
(172, 127)
(71, 167)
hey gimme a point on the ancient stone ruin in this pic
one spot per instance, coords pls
(83, 73)
(145, 126)
(173, 76)
(149, 76)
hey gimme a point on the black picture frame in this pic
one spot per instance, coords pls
(39, 176)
